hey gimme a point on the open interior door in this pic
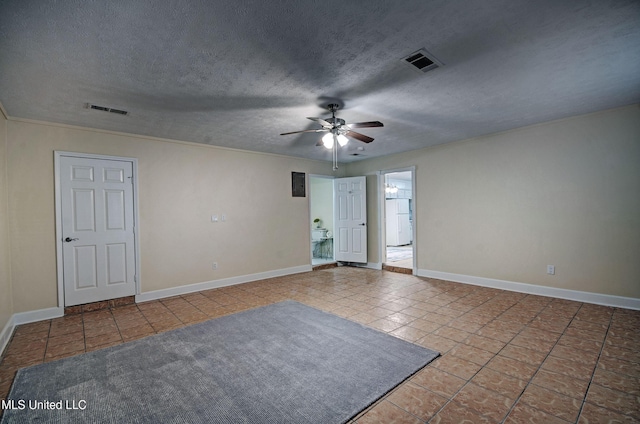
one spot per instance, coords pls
(350, 220)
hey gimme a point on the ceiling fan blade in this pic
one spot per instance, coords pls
(304, 131)
(361, 137)
(321, 122)
(367, 124)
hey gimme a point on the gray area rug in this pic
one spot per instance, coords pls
(282, 363)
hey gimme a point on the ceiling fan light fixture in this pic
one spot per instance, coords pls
(336, 132)
(327, 140)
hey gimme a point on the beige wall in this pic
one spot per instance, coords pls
(502, 206)
(505, 206)
(6, 301)
(180, 186)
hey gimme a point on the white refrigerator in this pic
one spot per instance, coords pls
(398, 222)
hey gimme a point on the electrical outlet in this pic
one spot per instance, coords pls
(551, 269)
(223, 217)
(215, 265)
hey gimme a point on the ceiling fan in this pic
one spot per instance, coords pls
(337, 131)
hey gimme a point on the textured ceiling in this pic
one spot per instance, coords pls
(238, 73)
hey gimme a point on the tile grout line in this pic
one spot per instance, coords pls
(84, 334)
(115, 321)
(171, 310)
(494, 355)
(46, 345)
(385, 398)
(146, 319)
(482, 367)
(497, 353)
(530, 382)
(595, 367)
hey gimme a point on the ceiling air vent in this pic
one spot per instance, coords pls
(422, 61)
(107, 109)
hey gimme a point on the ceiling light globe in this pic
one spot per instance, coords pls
(342, 140)
(327, 140)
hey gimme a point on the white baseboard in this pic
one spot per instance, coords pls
(224, 282)
(50, 313)
(25, 318)
(39, 315)
(5, 335)
(578, 296)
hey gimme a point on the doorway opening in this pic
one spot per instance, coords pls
(399, 208)
(322, 228)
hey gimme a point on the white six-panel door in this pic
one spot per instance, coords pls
(350, 221)
(97, 229)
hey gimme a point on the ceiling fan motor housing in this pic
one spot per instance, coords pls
(336, 122)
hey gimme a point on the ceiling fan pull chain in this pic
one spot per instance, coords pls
(335, 152)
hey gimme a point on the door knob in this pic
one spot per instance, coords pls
(363, 224)
(68, 239)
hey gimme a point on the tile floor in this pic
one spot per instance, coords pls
(506, 357)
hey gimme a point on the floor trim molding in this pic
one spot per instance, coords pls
(6, 334)
(224, 282)
(25, 318)
(50, 313)
(579, 296)
(38, 315)
(576, 295)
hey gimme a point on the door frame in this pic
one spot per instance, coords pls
(58, 200)
(382, 215)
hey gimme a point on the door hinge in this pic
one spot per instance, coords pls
(135, 278)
